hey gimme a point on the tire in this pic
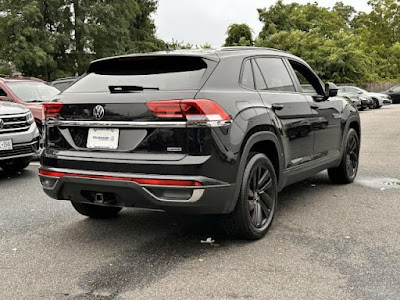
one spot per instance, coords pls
(96, 211)
(256, 206)
(376, 104)
(346, 172)
(14, 167)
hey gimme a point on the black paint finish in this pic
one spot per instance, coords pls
(301, 136)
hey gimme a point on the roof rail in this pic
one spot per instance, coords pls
(65, 78)
(250, 48)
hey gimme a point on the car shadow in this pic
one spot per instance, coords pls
(150, 244)
(25, 174)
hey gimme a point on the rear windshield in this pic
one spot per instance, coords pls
(150, 73)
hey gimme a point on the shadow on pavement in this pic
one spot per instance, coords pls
(148, 245)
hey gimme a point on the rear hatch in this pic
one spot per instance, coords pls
(119, 108)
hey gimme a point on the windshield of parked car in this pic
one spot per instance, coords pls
(143, 73)
(29, 91)
(363, 91)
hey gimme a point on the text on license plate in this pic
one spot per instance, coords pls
(6, 145)
(103, 138)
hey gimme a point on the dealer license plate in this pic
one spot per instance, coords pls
(103, 138)
(6, 145)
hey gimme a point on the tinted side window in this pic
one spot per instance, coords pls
(3, 93)
(259, 79)
(309, 83)
(247, 76)
(275, 74)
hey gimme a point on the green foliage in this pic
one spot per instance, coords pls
(239, 35)
(54, 38)
(177, 45)
(339, 43)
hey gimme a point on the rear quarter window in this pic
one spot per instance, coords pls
(164, 73)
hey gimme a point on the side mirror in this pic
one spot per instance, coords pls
(331, 90)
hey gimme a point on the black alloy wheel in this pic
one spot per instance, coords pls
(260, 192)
(352, 156)
(346, 172)
(256, 206)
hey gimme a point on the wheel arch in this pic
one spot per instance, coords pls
(262, 139)
(352, 123)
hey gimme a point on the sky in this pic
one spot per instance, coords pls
(206, 21)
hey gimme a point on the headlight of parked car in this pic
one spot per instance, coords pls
(29, 118)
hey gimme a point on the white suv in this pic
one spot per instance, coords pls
(19, 137)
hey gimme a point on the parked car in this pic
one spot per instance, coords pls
(19, 137)
(375, 100)
(212, 132)
(394, 94)
(63, 83)
(354, 100)
(30, 92)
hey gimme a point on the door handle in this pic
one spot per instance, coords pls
(277, 106)
(314, 106)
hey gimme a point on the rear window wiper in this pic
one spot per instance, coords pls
(130, 88)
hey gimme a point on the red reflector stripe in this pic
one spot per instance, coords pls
(146, 181)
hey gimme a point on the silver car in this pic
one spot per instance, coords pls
(19, 137)
(376, 100)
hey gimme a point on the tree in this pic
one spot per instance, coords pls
(239, 35)
(294, 16)
(346, 12)
(53, 38)
(341, 44)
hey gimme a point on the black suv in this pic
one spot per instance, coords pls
(203, 132)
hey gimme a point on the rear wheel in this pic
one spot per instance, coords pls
(256, 206)
(348, 168)
(376, 104)
(96, 211)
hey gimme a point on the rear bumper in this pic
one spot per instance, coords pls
(212, 197)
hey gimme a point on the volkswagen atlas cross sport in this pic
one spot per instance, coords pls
(211, 132)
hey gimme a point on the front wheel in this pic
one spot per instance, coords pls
(96, 211)
(256, 206)
(348, 168)
(15, 166)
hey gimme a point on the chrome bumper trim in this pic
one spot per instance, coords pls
(128, 124)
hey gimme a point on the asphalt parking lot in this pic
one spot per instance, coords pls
(327, 242)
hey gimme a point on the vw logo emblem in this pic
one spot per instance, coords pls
(1, 124)
(98, 112)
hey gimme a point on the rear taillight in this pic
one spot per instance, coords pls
(51, 109)
(200, 110)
